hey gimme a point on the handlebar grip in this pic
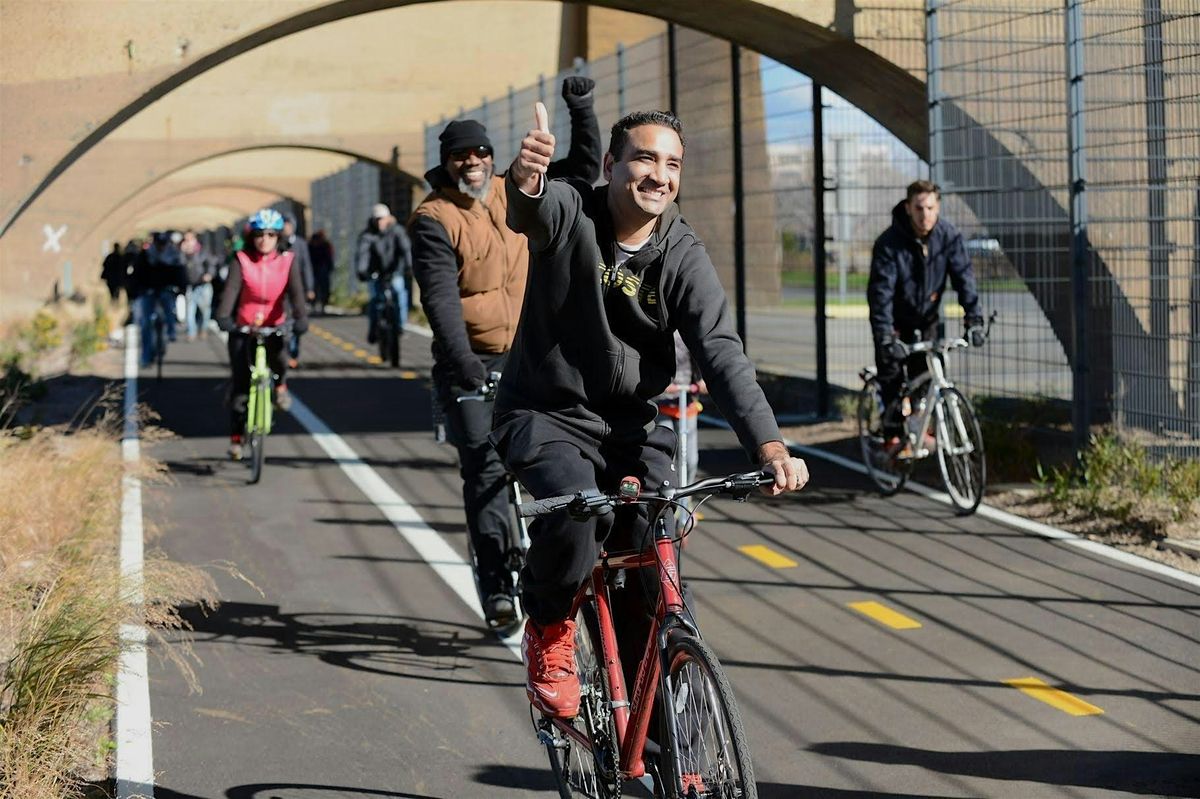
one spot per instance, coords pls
(540, 507)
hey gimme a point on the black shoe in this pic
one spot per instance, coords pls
(372, 336)
(500, 611)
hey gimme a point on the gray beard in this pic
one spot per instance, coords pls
(480, 193)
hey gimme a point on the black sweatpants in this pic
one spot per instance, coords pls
(892, 374)
(484, 489)
(551, 458)
(241, 361)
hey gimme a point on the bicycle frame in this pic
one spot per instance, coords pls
(631, 719)
(258, 407)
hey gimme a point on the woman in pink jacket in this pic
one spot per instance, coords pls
(262, 285)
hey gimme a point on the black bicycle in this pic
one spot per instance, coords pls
(518, 532)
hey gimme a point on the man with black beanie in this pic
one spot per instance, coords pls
(472, 269)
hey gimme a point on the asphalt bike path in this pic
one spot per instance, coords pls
(878, 647)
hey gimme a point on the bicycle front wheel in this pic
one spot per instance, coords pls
(960, 450)
(256, 440)
(887, 472)
(581, 770)
(707, 754)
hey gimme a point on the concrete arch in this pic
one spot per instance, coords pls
(879, 87)
(141, 188)
(126, 217)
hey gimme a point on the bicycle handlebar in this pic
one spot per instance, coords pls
(593, 502)
(945, 345)
(484, 393)
(264, 331)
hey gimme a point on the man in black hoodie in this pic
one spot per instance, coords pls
(909, 267)
(614, 272)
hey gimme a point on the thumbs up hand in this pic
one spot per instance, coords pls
(537, 150)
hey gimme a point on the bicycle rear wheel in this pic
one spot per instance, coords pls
(960, 450)
(887, 472)
(578, 770)
(707, 753)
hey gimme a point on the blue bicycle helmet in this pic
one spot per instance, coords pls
(266, 219)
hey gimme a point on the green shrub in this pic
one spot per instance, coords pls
(1121, 480)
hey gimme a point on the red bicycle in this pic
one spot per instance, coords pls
(703, 751)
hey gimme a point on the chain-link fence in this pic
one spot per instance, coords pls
(1066, 139)
(748, 189)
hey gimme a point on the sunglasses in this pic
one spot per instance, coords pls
(481, 151)
(256, 234)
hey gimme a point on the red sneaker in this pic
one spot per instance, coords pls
(692, 782)
(549, 655)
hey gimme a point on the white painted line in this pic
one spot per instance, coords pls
(420, 330)
(427, 542)
(134, 755)
(1003, 517)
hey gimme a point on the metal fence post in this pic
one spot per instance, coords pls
(739, 220)
(672, 71)
(819, 287)
(1080, 247)
(620, 80)
(933, 93)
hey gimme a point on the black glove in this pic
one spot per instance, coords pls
(472, 374)
(225, 323)
(974, 330)
(577, 90)
(894, 348)
(300, 328)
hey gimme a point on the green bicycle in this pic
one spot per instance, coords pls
(259, 407)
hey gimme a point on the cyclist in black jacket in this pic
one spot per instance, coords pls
(909, 267)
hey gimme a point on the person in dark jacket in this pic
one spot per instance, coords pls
(614, 272)
(472, 271)
(320, 250)
(158, 275)
(290, 241)
(383, 257)
(112, 272)
(909, 267)
(200, 268)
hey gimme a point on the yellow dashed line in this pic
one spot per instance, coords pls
(408, 374)
(347, 346)
(1044, 692)
(360, 353)
(375, 359)
(768, 556)
(885, 615)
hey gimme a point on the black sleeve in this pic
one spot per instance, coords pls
(403, 254)
(435, 267)
(583, 157)
(295, 291)
(700, 311)
(962, 277)
(229, 296)
(304, 260)
(362, 257)
(547, 220)
(881, 290)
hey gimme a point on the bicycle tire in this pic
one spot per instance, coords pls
(960, 450)
(580, 772)
(256, 430)
(706, 753)
(393, 356)
(888, 475)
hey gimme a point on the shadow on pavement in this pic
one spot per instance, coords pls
(1146, 773)
(396, 646)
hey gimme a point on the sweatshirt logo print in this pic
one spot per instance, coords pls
(631, 285)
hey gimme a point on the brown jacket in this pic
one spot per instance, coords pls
(493, 262)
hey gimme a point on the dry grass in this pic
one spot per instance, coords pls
(62, 603)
